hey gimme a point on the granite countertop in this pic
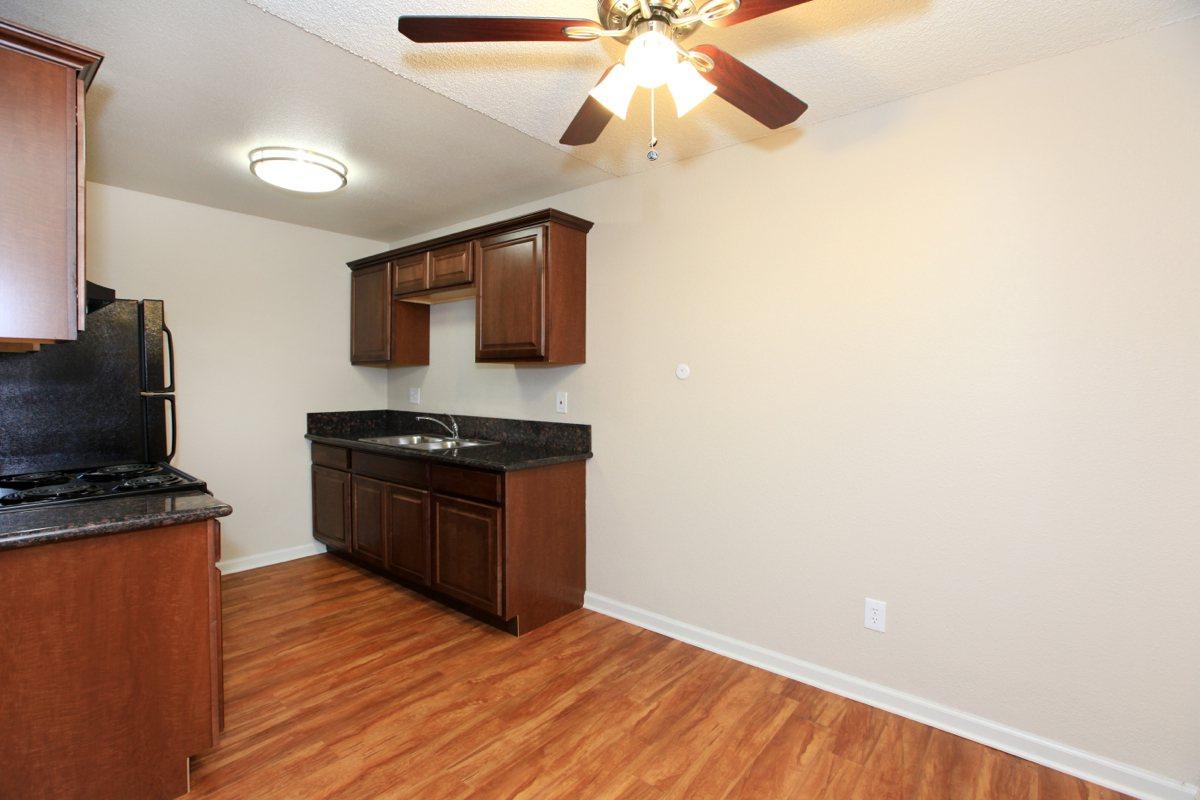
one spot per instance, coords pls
(23, 528)
(520, 444)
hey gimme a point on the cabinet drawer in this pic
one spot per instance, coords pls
(410, 274)
(328, 456)
(451, 266)
(396, 470)
(472, 483)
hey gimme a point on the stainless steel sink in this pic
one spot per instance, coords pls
(403, 441)
(423, 442)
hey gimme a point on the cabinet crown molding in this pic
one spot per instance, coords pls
(42, 45)
(542, 217)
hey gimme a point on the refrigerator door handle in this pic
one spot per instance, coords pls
(174, 413)
(170, 365)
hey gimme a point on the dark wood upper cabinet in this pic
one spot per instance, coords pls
(466, 552)
(42, 85)
(410, 274)
(451, 266)
(384, 332)
(406, 517)
(331, 507)
(528, 276)
(367, 542)
(510, 315)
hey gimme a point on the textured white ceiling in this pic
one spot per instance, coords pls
(186, 90)
(840, 56)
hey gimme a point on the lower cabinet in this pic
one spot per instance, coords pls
(367, 513)
(331, 507)
(406, 518)
(466, 552)
(507, 548)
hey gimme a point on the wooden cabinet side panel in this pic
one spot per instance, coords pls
(216, 637)
(106, 657)
(566, 296)
(39, 202)
(545, 543)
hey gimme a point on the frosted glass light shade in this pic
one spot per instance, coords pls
(688, 87)
(650, 58)
(297, 170)
(616, 90)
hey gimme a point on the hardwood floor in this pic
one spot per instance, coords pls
(340, 684)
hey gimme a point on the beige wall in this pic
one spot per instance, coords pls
(260, 312)
(945, 353)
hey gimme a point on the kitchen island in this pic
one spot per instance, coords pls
(110, 662)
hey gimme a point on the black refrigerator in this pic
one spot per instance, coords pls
(107, 398)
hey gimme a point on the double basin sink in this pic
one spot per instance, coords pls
(425, 442)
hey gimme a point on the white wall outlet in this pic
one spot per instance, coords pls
(414, 394)
(560, 403)
(876, 615)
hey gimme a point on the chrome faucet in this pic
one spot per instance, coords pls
(452, 431)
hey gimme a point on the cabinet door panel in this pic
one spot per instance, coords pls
(406, 512)
(331, 507)
(466, 552)
(367, 540)
(410, 274)
(370, 315)
(510, 314)
(451, 266)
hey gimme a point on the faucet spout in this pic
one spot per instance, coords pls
(453, 431)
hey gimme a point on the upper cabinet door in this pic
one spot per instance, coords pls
(410, 274)
(370, 316)
(451, 266)
(42, 82)
(510, 314)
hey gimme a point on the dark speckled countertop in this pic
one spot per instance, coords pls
(520, 444)
(98, 517)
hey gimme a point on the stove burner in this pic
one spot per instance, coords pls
(148, 482)
(68, 492)
(32, 479)
(119, 472)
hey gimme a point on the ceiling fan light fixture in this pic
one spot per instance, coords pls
(616, 90)
(297, 170)
(688, 87)
(651, 57)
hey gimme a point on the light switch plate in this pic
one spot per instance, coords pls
(414, 394)
(560, 403)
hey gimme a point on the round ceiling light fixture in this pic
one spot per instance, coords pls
(297, 170)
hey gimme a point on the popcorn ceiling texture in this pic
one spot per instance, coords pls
(840, 56)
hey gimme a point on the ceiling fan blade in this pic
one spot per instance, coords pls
(590, 121)
(750, 91)
(754, 8)
(492, 29)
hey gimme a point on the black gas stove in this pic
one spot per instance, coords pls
(40, 489)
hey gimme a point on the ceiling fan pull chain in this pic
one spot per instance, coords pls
(653, 154)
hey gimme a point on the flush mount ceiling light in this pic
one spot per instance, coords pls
(652, 31)
(297, 170)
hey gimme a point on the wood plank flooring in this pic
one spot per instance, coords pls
(340, 684)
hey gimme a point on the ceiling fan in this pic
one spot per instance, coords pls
(652, 30)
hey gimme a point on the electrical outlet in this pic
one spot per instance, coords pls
(414, 394)
(560, 403)
(875, 617)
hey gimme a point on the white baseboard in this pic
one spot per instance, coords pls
(1064, 758)
(244, 563)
